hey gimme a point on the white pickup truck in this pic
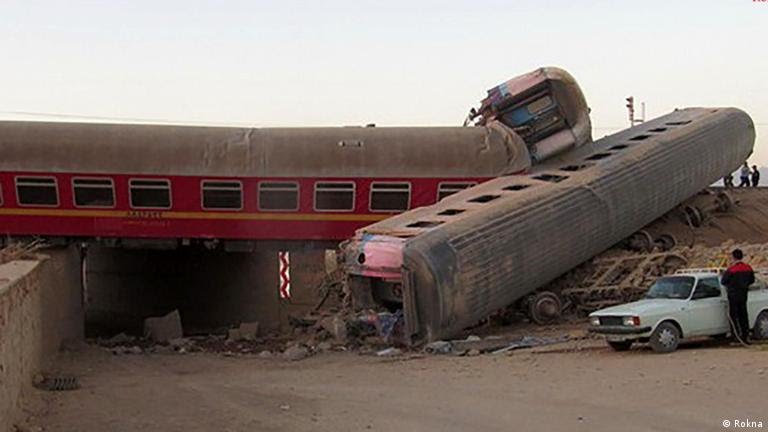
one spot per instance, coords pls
(690, 303)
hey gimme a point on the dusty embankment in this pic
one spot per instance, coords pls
(745, 222)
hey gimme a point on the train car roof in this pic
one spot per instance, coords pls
(273, 152)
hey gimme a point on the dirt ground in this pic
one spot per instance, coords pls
(580, 386)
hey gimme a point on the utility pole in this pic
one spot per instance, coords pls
(631, 109)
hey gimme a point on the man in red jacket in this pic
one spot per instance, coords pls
(737, 280)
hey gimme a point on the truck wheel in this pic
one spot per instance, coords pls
(620, 345)
(665, 338)
(761, 326)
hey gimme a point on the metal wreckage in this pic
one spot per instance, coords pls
(565, 200)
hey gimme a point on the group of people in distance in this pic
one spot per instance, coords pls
(748, 177)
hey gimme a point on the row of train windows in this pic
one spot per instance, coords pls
(222, 195)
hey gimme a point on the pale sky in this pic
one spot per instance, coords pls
(331, 63)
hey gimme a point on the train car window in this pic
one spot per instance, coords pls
(484, 198)
(424, 224)
(598, 156)
(451, 212)
(154, 194)
(450, 188)
(278, 196)
(335, 196)
(93, 192)
(222, 195)
(519, 187)
(37, 191)
(387, 196)
(552, 178)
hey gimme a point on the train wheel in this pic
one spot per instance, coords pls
(724, 202)
(693, 216)
(544, 307)
(666, 242)
(641, 241)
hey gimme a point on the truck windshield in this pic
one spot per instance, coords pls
(671, 287)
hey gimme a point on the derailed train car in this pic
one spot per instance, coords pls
(452, 264)
(545, 108)
(233, 186)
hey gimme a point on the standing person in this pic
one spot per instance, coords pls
(737, 280)
(755, 176)
(728, 181)
(744, 176)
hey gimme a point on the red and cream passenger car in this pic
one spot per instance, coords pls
(131, 181)
(78, 180)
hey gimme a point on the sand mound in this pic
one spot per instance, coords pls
(746, 222)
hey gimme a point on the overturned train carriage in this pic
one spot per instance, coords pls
(456, 262)
(545, 108)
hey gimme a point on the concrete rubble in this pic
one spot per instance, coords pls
(389, 352)
(336, 326)
(246, 331)
(295, 353)
(474, 346)
(165, 328)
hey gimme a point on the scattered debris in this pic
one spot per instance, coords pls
(246, 331)
(119, 339)
(532, 341)
(438, 347)
(488, 344)
(385, 325)
(474, 346)
(56, 383)
(389, 352)
(122, 349)
(233, 335)
(336, 326)
(249, 330)
(165, 328)
(295, 353)
(17, 251)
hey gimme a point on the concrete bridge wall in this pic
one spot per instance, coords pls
(40, 307)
